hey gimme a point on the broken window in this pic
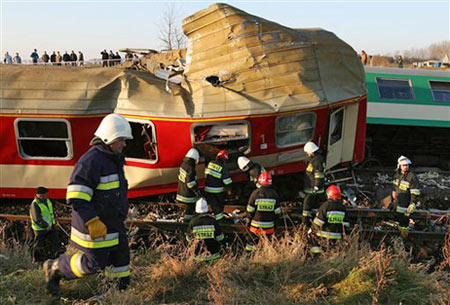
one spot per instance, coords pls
(337, 120)
(143, 145)
(440, 90)
(209, 139)
(294, 129)
(44, 139)
(399, 89)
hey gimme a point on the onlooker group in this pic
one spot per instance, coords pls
(110, 59)
(54, 59)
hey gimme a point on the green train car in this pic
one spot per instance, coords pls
(408, 113)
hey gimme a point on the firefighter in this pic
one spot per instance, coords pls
(253, 169)
(263, 210)
(97, 192)
(188, 192)
(314, 182)
(206, 230)
(330, 221)
(43, 225)
(406, 191)
(217, 183)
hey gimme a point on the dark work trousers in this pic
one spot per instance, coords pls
(116, 260)
(217, 202)
(310, 203)
(45, 245)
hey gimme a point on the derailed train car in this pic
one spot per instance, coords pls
(244, 83)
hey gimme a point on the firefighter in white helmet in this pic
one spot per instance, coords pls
(206, 230)
(252, 170)
(188, 191)
(97, 192)
(314, 182)
(405, 194)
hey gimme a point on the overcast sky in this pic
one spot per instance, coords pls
(378, 27)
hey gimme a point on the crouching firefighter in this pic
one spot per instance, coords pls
(251, 168)
(98, 194)
(43, 225)
(188, 191)
(330, 222)
(263, 210)
(206, 231)
(406, 191)
(217, 183)
(314, 182)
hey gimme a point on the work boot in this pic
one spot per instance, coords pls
(52, 276)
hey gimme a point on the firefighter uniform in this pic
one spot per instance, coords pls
(98, 188)
(42, 223)
(329, 223)
(187, 186)
(206, 230)
(217, 179)
(406, 186)
(263, 209)
(313, 187)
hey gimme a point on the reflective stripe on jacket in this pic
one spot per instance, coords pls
(407, 188)
(187, 182)
(98, 188)
(314, 174)
(331, 219)
(217, 177)
(263, 208)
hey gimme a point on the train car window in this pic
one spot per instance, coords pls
(209, 138)
(440, 91)
(143, 146)
(399, 89)
(336, 127)
(44, 139)
(294, 129)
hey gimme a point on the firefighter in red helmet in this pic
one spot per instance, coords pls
(217, 183)
(330, 221)
(263, 209)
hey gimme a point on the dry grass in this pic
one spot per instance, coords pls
(280, 271)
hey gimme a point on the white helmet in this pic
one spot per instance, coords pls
(310, 147)
(112, 127)
(402, 161)
(201, 206)
(243, 162)
(193, 154)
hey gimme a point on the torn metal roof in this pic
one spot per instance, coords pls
(235, 64)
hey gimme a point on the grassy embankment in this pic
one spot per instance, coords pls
(277, 273)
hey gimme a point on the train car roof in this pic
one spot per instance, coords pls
(236, 64)
(403, 71)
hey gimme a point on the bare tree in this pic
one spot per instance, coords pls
(439, 49)
(170, 33)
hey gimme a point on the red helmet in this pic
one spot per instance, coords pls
(223, 154)
(265, 178)
(334, 192)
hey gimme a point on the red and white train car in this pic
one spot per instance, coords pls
(244, 83)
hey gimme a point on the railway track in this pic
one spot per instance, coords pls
(368, 219)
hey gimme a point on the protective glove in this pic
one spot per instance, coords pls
(411, 209)
(96, 228)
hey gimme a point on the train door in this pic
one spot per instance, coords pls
(335, 138)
